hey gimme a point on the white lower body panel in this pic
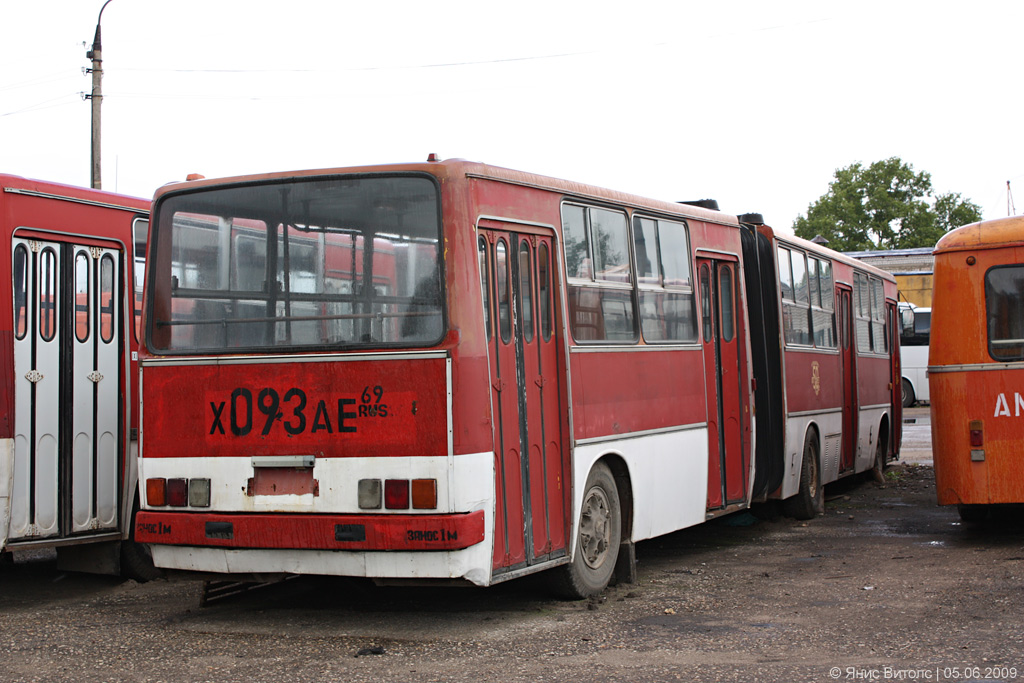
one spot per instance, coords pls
(669, 474)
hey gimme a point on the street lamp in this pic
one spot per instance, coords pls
(96, 55)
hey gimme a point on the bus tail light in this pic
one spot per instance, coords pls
(977, 441)
(424, 494)
(178, 492)
(398, 493)
(199, 493)
(156, 492)
(369, 494)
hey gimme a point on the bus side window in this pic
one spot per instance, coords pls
(48, 294)
(20, 291)
(1004, 310)
(485, 283)
(107, 298)
(82, 296)
(544, 290)
(526, 288)
(503, 291)
(705, 304)
(600, 273)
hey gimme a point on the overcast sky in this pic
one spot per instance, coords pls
(755, 104)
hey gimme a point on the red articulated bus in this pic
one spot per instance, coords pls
(449, 370)
(976, 367)
(68, 345)
(827, 366)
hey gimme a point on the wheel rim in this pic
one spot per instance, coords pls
(595, 527)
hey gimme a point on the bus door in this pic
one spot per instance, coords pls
(67, 374)
(895, 381)
(517, 273)
(723, 372)
(848, 358)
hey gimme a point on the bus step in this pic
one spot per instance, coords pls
(215, 591)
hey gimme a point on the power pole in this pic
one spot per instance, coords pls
(96, 55)
(1011, 210)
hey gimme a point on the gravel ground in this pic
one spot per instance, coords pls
(884, 586)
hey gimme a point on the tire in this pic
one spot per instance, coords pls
(136, 558)
(975, 514)
(908, 393)
(878, 468)
(809, 501)
(597, 540)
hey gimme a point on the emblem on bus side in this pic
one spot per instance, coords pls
(816, 377)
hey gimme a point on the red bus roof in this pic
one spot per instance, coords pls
(18, 185)
(460, 168)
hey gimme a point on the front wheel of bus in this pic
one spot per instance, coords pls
(597, 540)
(809, 501)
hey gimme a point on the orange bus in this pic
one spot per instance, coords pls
(976, 366)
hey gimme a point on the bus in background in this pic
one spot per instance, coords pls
(826, 362)
(449, 370)
(976, 367)
(915, 333)
(68, 345)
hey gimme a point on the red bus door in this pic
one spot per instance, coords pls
(848, 358)
(517, 272)
(67, 374)
(722, 332)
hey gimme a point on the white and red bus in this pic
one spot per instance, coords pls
(976, 367)
(827, 366)
(68, 346)
(449, 370)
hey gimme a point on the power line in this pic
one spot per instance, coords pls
(39, 106)
(40, 80)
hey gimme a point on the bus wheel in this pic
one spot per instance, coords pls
(136, 558)
(597, 541)
(973, 513)
(809, 501)
(908, 393)
(878, 470)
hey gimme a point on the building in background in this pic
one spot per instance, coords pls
(912, 269)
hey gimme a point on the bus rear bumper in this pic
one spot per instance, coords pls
(312, 532)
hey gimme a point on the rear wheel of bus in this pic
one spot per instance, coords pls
(881, 450)
(809, 501)
(136, 558)
(908, 397)
(973, 514)
(597, 541)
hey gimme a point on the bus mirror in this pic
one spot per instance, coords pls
(907, 321)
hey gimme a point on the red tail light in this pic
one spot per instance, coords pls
(977, 434)
(177, 492)
(396, 494)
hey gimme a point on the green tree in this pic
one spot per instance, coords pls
(886, 205)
